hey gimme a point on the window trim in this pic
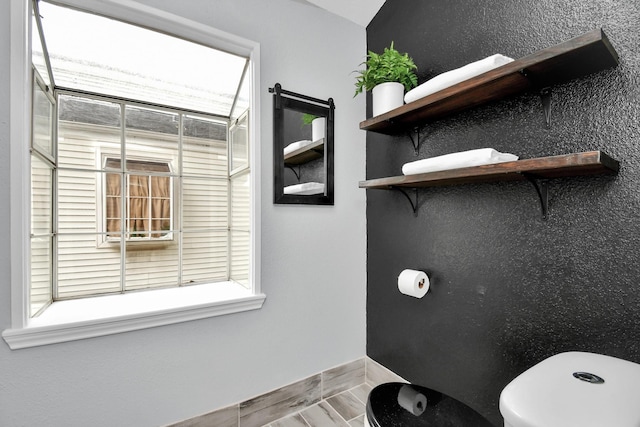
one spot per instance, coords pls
(24, 332)
(168, 306)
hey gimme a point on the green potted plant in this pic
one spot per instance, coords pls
(307, 118)
(318, 125)
(387, 75)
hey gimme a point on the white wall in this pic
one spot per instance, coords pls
(313, 265)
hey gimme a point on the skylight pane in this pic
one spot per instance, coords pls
(242, 103)
(37, 57)
(105, 56)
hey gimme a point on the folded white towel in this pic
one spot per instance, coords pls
(306, 188)
(295, 145)
(463, 159)
(458, 75)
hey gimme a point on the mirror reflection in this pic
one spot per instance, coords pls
(303, 148)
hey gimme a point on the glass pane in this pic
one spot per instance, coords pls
(151, 265)
(149, 207)
(204, 148)
(87, 128)
(151, 136)
(243, 100)
(240, 240)
(204, 256)
(42, 121)
(40, 293)
(138, 207)
(101, 55)
(241, 202)
(41, 286)
(204, 203)
(84, 269)
(239, 145)
(112, 206)
(161, 206)
(41, 197)
(240, 250)
(37, 55)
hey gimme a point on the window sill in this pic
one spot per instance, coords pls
(93, 317)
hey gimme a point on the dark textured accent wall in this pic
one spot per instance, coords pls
(507, 288)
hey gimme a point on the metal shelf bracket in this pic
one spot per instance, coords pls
(545, 97)
(415, 142)
(414, 204)
(297, 174)
(542, 188)
(545, 94)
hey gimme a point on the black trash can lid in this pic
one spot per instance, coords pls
(383, 409)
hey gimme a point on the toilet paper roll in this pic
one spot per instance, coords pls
(413, 282)
(412, 400)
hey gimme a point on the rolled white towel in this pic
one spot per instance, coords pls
(458, 75)
(306, 188)
(463, 159)
(295, 145)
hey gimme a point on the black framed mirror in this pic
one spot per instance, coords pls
(302, 148)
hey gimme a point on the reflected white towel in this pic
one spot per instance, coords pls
(295, 145)
(463, 159)
(306, 188)
(458, 75)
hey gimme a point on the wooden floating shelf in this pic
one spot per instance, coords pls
(305, 154)
(583, 55)
(577, 164)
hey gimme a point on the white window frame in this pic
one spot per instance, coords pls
(78, 319)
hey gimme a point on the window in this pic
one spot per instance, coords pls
(141, 178)
(147, 200)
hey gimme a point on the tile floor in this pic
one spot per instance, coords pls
(345, 409)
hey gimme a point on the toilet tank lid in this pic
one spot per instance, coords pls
(574, 389)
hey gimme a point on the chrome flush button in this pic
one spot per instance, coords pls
(588, 377)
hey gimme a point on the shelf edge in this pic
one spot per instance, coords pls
(574, 164)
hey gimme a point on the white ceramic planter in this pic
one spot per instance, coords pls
(387, 96)
(318, 127)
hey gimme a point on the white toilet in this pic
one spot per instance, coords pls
(574, 389)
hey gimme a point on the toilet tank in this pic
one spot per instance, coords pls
(574, 389)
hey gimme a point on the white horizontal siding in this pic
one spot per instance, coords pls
(152, 268)
(204, 256)
(83, 269)
(194, 150)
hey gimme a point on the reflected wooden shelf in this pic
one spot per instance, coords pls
(567, 165)
(305, 154)
(583, 55)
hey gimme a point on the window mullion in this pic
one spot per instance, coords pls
(176, 220)
(54, 205)
(229, 197)
(149, 208)
(124, 196)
